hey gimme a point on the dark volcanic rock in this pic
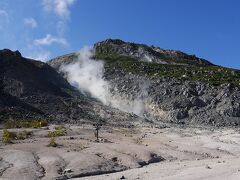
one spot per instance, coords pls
(24, 83)
(32, 89)
(10, 55)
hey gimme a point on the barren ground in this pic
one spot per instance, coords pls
(147, 153)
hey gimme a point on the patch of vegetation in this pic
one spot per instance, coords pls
(113, 57)
(11, 124)
(59, 131)
(52, 142)
(110, 50)
(9, 136)
(215, 75)
(24, 135)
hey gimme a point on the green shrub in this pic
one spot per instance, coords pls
(8, 136)
(24, 135)
(59, 131)
(10, 124)
(52, 142)
(210, 74)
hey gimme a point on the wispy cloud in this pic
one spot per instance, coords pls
(37, 53)
(3, 13)
(4, 18)
(49, 40)
(41, 56)
(60, 7)
(30, 22)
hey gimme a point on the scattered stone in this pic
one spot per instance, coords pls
(208, 167)
(67, 171)
(122, 177)
(114, 159)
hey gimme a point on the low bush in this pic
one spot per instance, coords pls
(10, 124)
(59, 131)
(9, 136)
(52, 142)
(24, 135)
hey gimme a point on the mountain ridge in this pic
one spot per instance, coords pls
(178, 93)
(196, 69)
(201, 93)
(147, 53)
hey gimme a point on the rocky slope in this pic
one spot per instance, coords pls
(171, 86)
(179, 101)
(145, 53)
(31, 89)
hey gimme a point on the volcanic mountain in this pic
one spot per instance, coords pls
(171, 86)
(141, 84)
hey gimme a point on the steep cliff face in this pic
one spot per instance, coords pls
(166, 85)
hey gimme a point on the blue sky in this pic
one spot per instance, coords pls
(44, 29)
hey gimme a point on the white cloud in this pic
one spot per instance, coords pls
(60, 7)
(61, 27)
(4, 19)
(40, 55)
(49, 39)
(37, 52)
(62, 10)
(30, 22)
(3, 13)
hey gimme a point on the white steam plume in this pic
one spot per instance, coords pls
(87, 75)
